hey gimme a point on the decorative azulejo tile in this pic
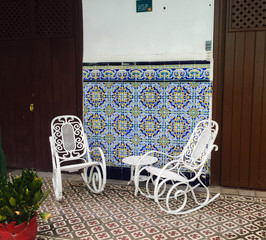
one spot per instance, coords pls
(96, 123)
(178, 127)
(122, 125)
(147, 72)
(96, 95)
(179, 96)
(150, 126)
(146, 146)
(129, 110)
(150, 96)
(203, 92)
(120, 150)
(122, 96)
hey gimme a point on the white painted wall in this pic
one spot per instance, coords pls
(115, 32)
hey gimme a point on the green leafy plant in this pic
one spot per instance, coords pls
(21, 197)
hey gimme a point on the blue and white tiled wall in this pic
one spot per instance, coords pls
(129, 110)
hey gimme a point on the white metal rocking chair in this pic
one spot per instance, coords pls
(70, 152)
(172, 197)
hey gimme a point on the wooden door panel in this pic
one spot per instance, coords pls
(16, 118)
(257, 122)
(243, 106)
(227, 110)
(258, 168)
(43, 101)
(247, 96)
(262, 160)
(64, 71)
(236, 107)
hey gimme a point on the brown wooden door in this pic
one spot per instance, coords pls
(40, 64)
(240, 92)
(16, 97)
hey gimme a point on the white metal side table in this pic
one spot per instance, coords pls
(134, 160)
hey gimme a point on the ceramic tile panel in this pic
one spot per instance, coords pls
(129, 110)
(141, 73)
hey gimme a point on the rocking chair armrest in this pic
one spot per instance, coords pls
(215, 147)
(176, 164)
(54, 154)
(154, 151)
(51, 141)
(166, 169)
(139, 167)
(139, 164)
(93, 149)
(56, 162)
(101, 152)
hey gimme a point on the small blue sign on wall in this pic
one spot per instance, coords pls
(144, 5)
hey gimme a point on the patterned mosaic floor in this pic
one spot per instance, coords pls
(117, 214)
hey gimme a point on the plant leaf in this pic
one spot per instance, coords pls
(2, 218)
(45, 196)
(45, 215)
(36, 198)
(6, 211)
(12, 201)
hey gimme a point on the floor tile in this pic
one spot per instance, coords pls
(117, 213)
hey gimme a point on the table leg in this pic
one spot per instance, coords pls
(132, 169)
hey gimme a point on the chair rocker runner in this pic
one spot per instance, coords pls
(173, 197)
(71, 153)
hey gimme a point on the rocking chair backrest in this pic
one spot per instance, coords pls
(68, 137)
(200, 144)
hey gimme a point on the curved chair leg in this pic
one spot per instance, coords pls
(207, 199)
(57, 184)
(97, 173)
(179, 195)
(149, 181)
(137, 180)
(95, 182)
(175, 193)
